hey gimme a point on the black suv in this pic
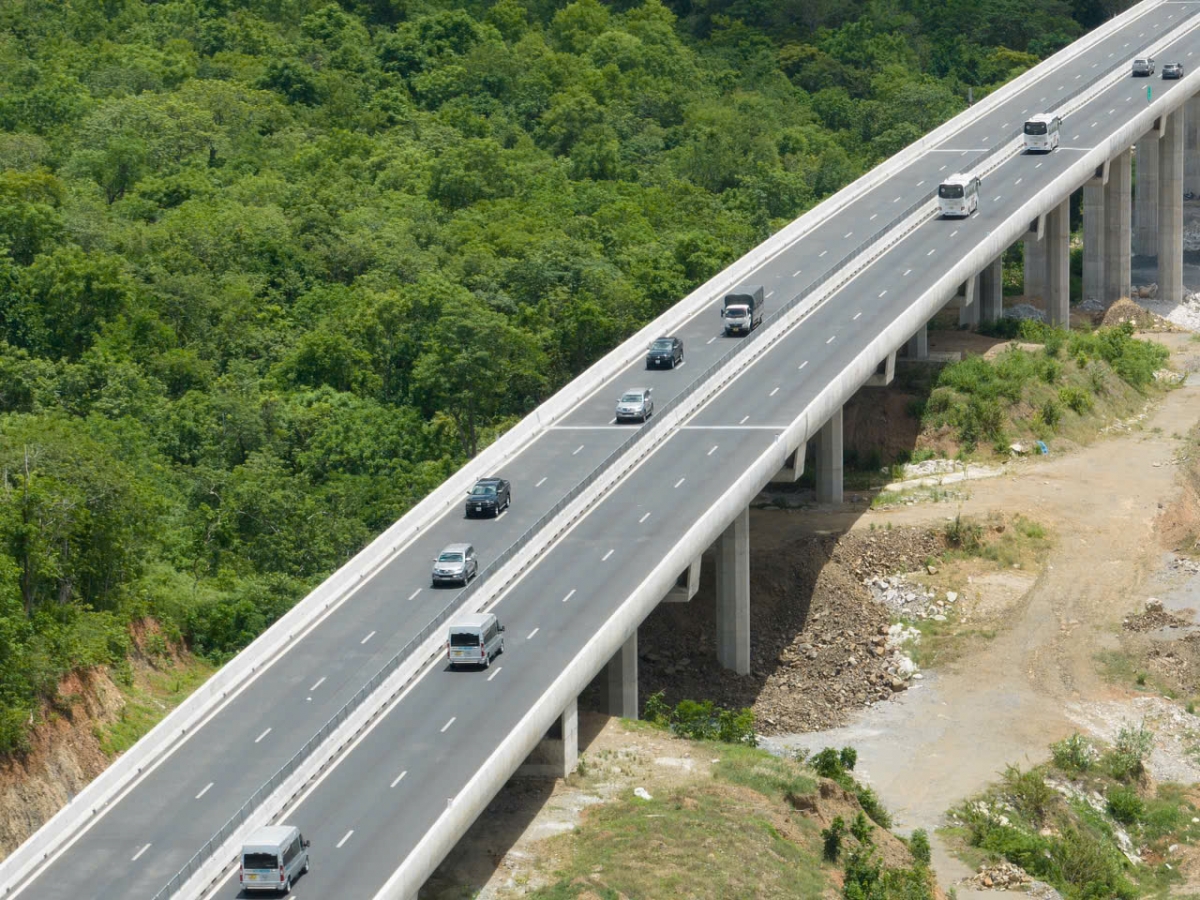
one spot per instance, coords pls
(1172, 70)
(666, 351)
(489, 497)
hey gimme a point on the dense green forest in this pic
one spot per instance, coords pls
(272, 269)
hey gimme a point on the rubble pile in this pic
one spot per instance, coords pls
(1024, 311)
(1154, 618)
(999, 877)
(911, 601)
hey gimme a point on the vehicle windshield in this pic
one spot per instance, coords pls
(450, 557)
(1035, 127)
(664, 344)
(951, 191)
(483, 490)
(736, 310)
(632, 398)
(464, 639)
(260, 861)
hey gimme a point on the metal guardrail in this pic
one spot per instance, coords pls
(271, 785)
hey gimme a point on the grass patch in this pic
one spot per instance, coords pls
(771, 776)
(943, 642)
(1020, 542)
(1065, 389)
(705, 844)
(148, 700)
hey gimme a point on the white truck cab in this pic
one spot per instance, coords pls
(1042, 133)
(958, 195)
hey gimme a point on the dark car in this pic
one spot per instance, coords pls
(489, 497)
(1172, 70)
(666, 351)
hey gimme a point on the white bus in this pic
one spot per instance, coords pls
(1042, 133)
(958, 195)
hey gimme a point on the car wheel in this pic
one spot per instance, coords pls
(287, 886)
(306, 864)
(487, 661)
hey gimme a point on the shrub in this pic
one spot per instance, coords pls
(1050, 371)
(1029, 793)
(848, 755)
(963, 534)
(704, 721)
(1073, 755)
(1075, 399)
(1051, 413)
(919, 845)
(861, 829)
(1125, 758)
(831, 838)
(1125, 805)
(656, 710)
(873, 806)
(736, 727)
(827, 763)
(981, 420)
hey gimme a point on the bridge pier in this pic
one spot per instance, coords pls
(733, 594)
(558, 752)
(1093, 238)
(968, 312)
(1170, 208)
(1117, 228)
(918, 345)
(1145, 207)
(621, 681)
(1058, 265)
(1035, 260)
(829, 460)
(991, 291)
(1191, 161)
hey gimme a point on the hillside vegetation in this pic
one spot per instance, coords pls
(273, 268)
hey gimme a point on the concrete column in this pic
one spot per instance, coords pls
(991, 291)
(1170, 208)
(1035, 267)
(968, 312)
(1145, 218)
(621, 681)
(558, 752)
(1093, 240)
(918, 345)
(733, 595)
(1117, 229)
(1191, 151)
(1058, 265)
(829, 460)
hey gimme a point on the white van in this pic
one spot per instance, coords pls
(1042, 133)
(272, 858)
(958, 195)
(475, 640)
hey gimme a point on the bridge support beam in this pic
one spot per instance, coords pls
(1145, 218)
(918, 345)
(558, 752)
(1035, 260)
(884, 372)
(1191, 152)
(968, 313)
(1170, 208)
(733, 595)
(991, 291)
(1117, 229)
(829, 460)
(1058, 265)
(621, 681)
(1093, 239)
(686, 585)
(793, 468)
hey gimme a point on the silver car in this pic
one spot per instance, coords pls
(635, 406)
(457, 564)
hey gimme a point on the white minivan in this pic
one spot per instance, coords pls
(475, 640)
(273, 858)
(958, 195)
(1042, 133)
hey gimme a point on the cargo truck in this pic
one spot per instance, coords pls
(743, 310)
